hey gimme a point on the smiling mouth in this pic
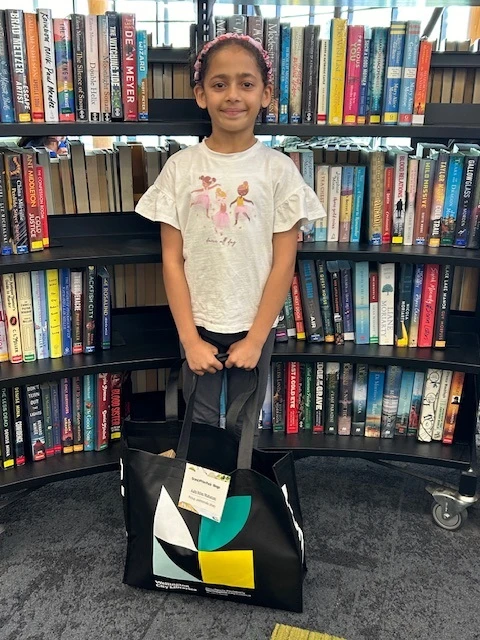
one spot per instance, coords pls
(233, 112)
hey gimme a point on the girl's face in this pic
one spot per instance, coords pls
(233, 91)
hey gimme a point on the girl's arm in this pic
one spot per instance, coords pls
(200, 355)
(251, 201)
(246, 353)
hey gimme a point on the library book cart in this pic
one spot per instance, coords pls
(145, 338)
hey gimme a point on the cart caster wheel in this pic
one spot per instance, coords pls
(452, 523)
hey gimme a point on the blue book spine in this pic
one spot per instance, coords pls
(391, 98)
(357, 208)
(404, 402)
(66, 311)
(39, 300)
(409, 72)
(362, 103)
(284, 72)
(466, 202)
(362, 303)
(56, 417)
(7, 113)
(89, 412)
(452, 197)
(416, 305)
(376, 383)
(416, 404)
(104, 309)
(310, 301)
(376, 74)
(142, 72)
(308, 173)
(390, 401)
(347, 300)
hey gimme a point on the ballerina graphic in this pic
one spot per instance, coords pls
(239, 202)
(221, 219)
(202, 197)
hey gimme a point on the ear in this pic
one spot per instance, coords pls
(199, 93)
(267, 96)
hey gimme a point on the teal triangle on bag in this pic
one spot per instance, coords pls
(214, 535)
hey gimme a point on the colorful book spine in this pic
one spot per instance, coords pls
(442, 404)
(7, 112)
(42, 206)
(391, 395)
(326, 308)
(297, 308)
(77, 311)
(3, 332)
(426, 327)
(296, 75)
(376, 181)
(423, 203)
(66, 311)
(453, 406)
(416, 305)
(321, 189)
(452, 197)
(310, 70)
(77, 413)
(54, 313)
(93, 71)
(387, 222)
(310, 301)
(102, 431)
(272, 47)
(34, 222)
(334, 199)
(347, 300)
(47, 419)
(421, 86)
(362, 103)
(47, 57)
(16, 201)
(301, 399)
(39, 298)
(289, 316)
(319, 409)
(332, 378)
(442, 311)
(334, 270)
(358, 197)
(417, 394)
(6, 432)
(18, 64)
(104, 68)
(285, 55)
(25, 314)
(353, 73)
(104, 328)
(438, 199)
(281, 328)
(323, 73)
(308, 395)
(115, 71)
(429, 402)
(34, 67)
(34, 415)
(5, 227)
(79, 67)
(376, 75)
(66, 415)
(63, 58)
(345, 399)
(89, 297)
(373, 295)
(255, 28)
(409, 72)
(473, 235)
(278, 396)
(359, 400)
(56, 417)
(292, 386)
(116, 413)
(336, 87)
(466, 202)
(402, 325)
(346, 204)
(386, 277)
(362, 302)
(307, 169)
(410, 201)
(18, 416)
(393, 74)
(404, 402)
(12, 324)
(142, 73)
(399, 196)
(89, 412)
(373, 419)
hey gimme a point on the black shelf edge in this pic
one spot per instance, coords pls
(61, 467)
(388, 253)
(397, 449)
(461, 354)
(460, 59)
(169, 55)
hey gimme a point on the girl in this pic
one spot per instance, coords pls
(226, 290)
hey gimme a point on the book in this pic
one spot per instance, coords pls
(89, 298)
(297, 308)
(292, 396)
(34, 420)
(104, 67)
(7, 451)
(365, 63)
(442, 310)
(452, 196)
(12, 324)
(7, 113)
(438, 198)
(404, 402)
(454, 400)
(66, 415)
(423, 202)
(362, 302)
(386, 277)
(353, 73)
(54, 313)
(374, 297)
(345, 399)
(18, 418)
(34, 67)
(409, 72)
(332, 376)
(114, 56)
(66, 310)
(296, 75)
(376, 380)
(334, 270)
(308, 395)
(15, 29)
(441, 406)
(3, 332)
(421, 86)
(79, 67)
(338, 49)
(272, 47)
(47, 57)
(416, 305)
(325, 305)
(142, 73)
(346, 204)
(404, 301)
(104, 320)
(93, 68)
(89, 411)
(77, 413)
(429, 401)
(324, 57)
(357, 207)
(102, 431)
(347, 300)
(310, 74)
(285, 55)
(411, 193)
(467, 201)
(25, 314)
(319, 409)
(359, 400)
(399, 159)
(47, 419)
(393, 73)
(376, 75)
(426, 326)
(63, 57)
(416, 404)
(390, 401)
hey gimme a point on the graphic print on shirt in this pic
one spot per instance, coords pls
(221, 219)
(201, 197)
(240, 208)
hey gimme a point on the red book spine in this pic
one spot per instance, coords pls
(103, 411)
(293, 381)
(42, 206)
(129, 67)
(387, 206)
(116, 405)
(34, 222)
(297, 308)
(427, 309)
(353, 74)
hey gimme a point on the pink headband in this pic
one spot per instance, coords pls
(231, 36)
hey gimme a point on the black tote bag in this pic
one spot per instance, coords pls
(254, 555)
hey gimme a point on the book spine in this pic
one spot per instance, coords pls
(421, 85)
(362, 103)
(116, 381)
(358, 196)
(89, 412)
(376, 75)
(334, 270)
(272, 47)
(404, 302)
(77, 311)
(409, 72)
(34, 222)
(18, 64)
(311, 301)
(237, 24)
(293, 377)
(40, 314)
(361, 297)
(473, 236)
(452, 197)
(220, 26)
(42, 206)
(63, 57)
(289, 316)
(3, 332)
(345, 399)
(66, 311)
(417, 394)
(404, 403)
(423, 204)
(399, 194)
(93, 74)
(9, 297)
(310, 70)
(77, 413)
(359, 400)
(426, 327)
(7, 112)
(16, 202)
(321, 189)
(5, 228)
(338, 54)
(129, 79)
(34, 67)
(396, 44)
(35, 422)
(387, 221)
(373, 295)
(296, 75)
(56, 417)
(66, 415)
(79, 55)
(346, 204)
(104, 312)
(410, 201)
(322, 101)
(332, 378)
(47, 419)
(347, 300)
(115, 70)
(319, 409)
(18, 431)
(334, 199)
(308, 172)
(142, 75)
(438, 199)
(47, 56)
(353, 73)
(429, 401)
(443, 306)
(255, 28)
(104, 68)
(373, 419)
(376, 181)
(466, 201)
(297, 308)
(442, 403)
(326, 308)
(89, 296)
(390, 401)
(281, 328)
(386, 276)
(54, 313)
(25, 313)
(416, 305)
(454, 400)
(285, 56)
(308, 395)
(6, 432)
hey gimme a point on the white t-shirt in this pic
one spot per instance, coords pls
(227, 207)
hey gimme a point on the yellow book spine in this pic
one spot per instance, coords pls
(337, 71)
(25, 312)
(53, 305)
(14, 338)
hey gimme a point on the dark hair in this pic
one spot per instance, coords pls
(207, 56)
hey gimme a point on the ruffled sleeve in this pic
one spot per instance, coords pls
(301, 206)
(157, 203)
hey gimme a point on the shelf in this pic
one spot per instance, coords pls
(458, 59)
(169, 55)
(388, 253)
(399, 449)
(59, 467)
(462, 354)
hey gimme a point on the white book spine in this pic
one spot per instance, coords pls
(25, 312)
(93, 75)
(323, 82)
(333, 211)
(14, 339)
(296, 74)
(386, 293)
(410, 206)
(442, 404)
(49, 72)
(39, 315)
(3, 334)
(429, 401)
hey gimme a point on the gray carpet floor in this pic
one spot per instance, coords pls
(379, 569)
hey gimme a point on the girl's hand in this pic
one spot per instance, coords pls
(244, 354)
(201, 357)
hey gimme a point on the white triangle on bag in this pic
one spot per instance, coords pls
(168, 524)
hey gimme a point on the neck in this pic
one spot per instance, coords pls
(230, 142)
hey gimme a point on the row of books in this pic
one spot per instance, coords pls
(368, 303)
(167, 81)
(39, 421)
(455, 86)
(84, 68)
(54, 313)
(358, 400)
(357, 76)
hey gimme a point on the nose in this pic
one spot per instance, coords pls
(232, 93)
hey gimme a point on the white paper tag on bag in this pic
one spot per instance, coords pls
(204, 491)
